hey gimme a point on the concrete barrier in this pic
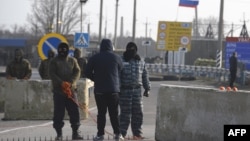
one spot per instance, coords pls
(198, 114)
(33, 99)
(2, 94)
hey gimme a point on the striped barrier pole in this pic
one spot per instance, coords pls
(218, 58)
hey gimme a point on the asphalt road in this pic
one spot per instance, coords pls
(36, 130)
(43, 130)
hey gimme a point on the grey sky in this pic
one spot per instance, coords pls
(15, 12)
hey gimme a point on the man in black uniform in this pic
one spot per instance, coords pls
(64, 70)
(233, 68)
(19, 68)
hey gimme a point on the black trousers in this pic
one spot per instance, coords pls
(110, 102)
(61, 102)
(233, 77)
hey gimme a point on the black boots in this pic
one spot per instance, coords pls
(58, 138)
(76, 135)
(59, 135)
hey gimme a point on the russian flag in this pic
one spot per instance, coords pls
(189, 3)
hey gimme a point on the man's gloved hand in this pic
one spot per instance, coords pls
(11, 78)
(146, 93)
(66, 88)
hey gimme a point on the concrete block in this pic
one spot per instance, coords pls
(33, 99)
(2, 94)
(198, 113)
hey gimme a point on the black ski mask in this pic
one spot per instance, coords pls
(77, 53)
(18, 55)
(131, 52)
(51, 54)
(63, 50)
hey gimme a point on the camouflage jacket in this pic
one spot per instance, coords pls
(19, 70)
(64, 70)
(82, 62)
(44, 69)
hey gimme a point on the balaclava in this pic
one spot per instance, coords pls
(18, 55)
(51, 54)
(63, 50)
(131, 51)
(77, 53)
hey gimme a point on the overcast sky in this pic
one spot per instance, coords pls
(148, 11)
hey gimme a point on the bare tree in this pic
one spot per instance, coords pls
(44, 16)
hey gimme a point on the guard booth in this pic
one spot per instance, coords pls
(7, 48)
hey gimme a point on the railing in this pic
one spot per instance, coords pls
(220, 74)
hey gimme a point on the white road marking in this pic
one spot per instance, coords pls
(26, 127)
(34, 126)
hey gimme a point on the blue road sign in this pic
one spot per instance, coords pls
(81, 40)
(71, 51)
(49, 42)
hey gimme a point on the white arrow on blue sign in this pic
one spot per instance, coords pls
(48, 42)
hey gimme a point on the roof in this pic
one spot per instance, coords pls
(13, 42)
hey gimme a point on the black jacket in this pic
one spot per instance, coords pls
(104, 69)
(233, 63)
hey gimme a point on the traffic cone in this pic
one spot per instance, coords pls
(222, 88)
(235, 89)
(229, 88)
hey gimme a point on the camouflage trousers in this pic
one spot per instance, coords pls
(131, 111)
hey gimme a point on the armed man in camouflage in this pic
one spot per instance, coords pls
(44, 66)
(65, 70)
(82, 62)
(134, 76)
(19, 68)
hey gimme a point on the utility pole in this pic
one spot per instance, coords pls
(89, 23)
(116, 14)
(89, 27)
(232, 30)
(81, 16)
(134, 22)
(82, 2)
(100, 22)
(196, 24)
(220, 36)
(209, 33)
(105, 29)
(57, 16)
(244, 32)
(146, 36)
(121, 32)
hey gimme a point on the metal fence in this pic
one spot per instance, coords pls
(85, 138)
(220, 74)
